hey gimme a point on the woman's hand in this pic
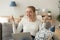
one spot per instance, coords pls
(11, 18)
(49, 38)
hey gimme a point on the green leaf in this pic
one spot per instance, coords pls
(58, 17)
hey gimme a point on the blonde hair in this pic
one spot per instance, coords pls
(32, 7)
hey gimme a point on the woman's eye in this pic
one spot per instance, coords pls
(49, 16)
(43, 16)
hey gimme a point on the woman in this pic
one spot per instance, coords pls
(48, 19)
(45, 33)
(29, 23)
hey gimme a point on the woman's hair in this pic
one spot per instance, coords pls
(32, 7)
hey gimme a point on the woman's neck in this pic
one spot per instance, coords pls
(32, 19)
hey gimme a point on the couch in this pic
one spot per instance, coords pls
(0, 31)
(6, 31)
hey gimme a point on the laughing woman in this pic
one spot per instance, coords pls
(29, 22)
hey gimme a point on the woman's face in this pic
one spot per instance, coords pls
(46, 18)
(30, 13)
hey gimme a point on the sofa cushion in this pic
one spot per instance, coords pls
(6, 31)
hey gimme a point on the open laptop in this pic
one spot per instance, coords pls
(22, 36)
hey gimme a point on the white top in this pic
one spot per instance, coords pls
(43, 34)
(28, 26)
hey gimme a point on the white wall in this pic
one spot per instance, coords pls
(6, 10)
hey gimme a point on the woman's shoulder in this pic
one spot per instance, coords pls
(24, 18)
(39, 17)
(38, 20)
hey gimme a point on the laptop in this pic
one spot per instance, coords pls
(22, 36)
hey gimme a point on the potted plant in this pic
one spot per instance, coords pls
(58, 18)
